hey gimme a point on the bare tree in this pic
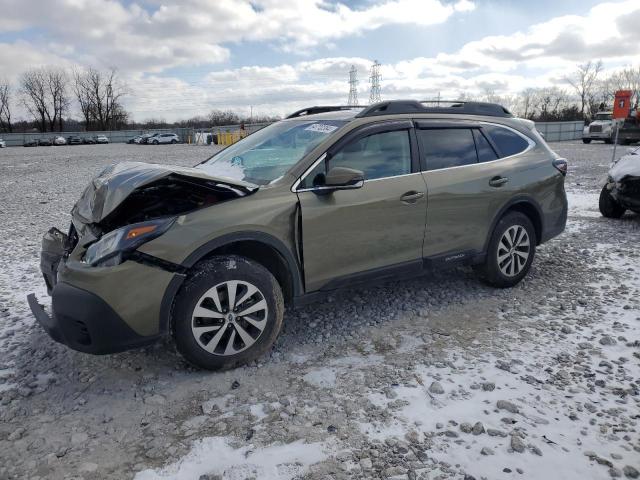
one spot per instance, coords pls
(45, 96)
(583, 80)
(5, 106)
(625, 79)
(227, 117)
(33, 87)
(99, 94)
(57, 84)
(82, 92)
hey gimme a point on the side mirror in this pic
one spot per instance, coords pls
(341, 178)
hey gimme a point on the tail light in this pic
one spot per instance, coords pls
(561, 165)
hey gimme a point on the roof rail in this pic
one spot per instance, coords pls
(319, 109)
(394, 107)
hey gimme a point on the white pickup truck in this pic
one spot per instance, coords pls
(600, 129)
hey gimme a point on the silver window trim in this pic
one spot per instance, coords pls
(530, 141)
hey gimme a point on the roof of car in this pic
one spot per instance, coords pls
(333, 115)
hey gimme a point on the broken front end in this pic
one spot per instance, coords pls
(106, 295)
(623, 181)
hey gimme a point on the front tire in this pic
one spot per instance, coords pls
(586, 140)
(511, 250)
(609, 207)
(229, 312)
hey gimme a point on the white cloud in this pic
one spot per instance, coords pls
(506, 64)
(194, 32)
(145, 42)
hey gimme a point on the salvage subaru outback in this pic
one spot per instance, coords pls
(328, 198)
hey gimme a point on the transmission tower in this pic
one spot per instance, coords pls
(353, 87)
(374, 81)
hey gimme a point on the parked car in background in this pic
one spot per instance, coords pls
(329, 197)
(159, 138)
(59, 141)
(3, 144)
(101, 139)
(145, 138)
(45, 142)
(89, 141)
(74, 140)
(135, 139)
(31, 143)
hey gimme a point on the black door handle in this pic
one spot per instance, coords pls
(498, 181)
(411, 197)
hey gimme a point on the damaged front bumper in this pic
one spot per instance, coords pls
(98, 310)
(626, 192)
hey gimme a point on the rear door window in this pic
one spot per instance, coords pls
(508, 142)
(447, 147)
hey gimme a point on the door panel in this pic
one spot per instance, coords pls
(462, 205)
(464, 195)
(352, 231)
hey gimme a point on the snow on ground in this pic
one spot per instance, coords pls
(214, 455)
(583, 203)
(438, 377)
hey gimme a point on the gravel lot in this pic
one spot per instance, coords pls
(437, 377)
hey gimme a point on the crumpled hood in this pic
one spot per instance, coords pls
(627, 166)
(116, 182)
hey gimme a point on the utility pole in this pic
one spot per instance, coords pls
(353, 87)
(374, 81)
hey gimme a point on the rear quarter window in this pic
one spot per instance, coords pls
(508, 142)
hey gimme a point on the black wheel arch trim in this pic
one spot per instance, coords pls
(518, 199)
(218, 242)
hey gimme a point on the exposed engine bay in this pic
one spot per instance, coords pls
(173, 195)
(133, 192)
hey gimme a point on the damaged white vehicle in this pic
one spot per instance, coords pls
(622, 189)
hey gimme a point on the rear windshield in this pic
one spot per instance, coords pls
(267, 154)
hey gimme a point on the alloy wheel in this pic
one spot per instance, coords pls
(229, 317)
(514, 249)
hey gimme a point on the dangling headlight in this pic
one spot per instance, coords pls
(109, 250)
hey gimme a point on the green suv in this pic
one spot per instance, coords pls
(328, 198)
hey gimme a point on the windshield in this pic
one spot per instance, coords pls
(267, 154)
(603, 116)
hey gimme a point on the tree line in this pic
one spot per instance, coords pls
(588, 91)
(47, 94)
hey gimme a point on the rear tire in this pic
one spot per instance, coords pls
(511, 250)
(207, 322)
(608, 141)
(586, 140)
(609, 207)
(174, 141)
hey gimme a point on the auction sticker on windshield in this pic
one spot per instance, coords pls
(321, 128)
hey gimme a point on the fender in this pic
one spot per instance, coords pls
(518, 199)
(205, 249)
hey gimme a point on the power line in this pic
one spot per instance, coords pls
(353, 87)
(374, 81)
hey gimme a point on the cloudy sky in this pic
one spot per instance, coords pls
(186, 57)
